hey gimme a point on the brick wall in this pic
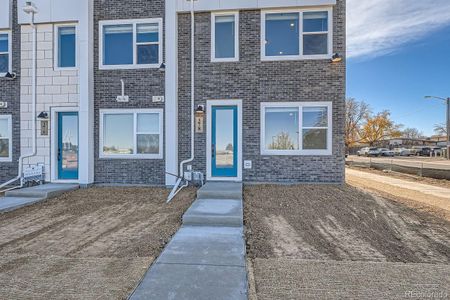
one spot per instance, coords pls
(254, 82)
(10, 92)
(140, 86)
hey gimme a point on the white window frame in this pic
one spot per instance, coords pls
(135, 112)
(134, 23)
(236, 36)
(300, 56)
(8, 32)
(300, 151)
(56, 48)
(9, 120)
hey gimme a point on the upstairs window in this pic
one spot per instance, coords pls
(5, 138)
(225, 37)
(5, 53)
(296, 35)
(128, 44)
(65, 46)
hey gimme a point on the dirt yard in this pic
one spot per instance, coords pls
(317, 241)
(93, 243)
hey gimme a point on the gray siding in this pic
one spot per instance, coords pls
(254, 82)
(10, 92)
(141, 85)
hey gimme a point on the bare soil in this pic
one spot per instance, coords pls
(340, 223)
(339, 242)
(92, 243)
(412, 178)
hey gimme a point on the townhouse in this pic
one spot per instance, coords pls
(115, 98)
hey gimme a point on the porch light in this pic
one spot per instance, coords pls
(336, 58)
(43, 115)
(200, 110)
(10, 76)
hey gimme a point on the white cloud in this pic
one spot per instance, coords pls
(379, 27)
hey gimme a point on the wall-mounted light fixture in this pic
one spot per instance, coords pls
(336, 58)
(43, 115)
(200, 110)
(162, 67)
(10, 76)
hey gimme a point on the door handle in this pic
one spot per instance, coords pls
(213, 150)
(59, 154)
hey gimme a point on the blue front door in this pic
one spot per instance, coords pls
(67, 145)
(224, 141)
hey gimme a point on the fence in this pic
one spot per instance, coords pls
(438, 170)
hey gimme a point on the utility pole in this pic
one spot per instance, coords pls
(447, 100)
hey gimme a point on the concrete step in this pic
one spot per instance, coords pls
(220, 190)
(45, 191)
(8, 204)
(214, 212)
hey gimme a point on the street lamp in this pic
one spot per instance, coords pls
(447, 100)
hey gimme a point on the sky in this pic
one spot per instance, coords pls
(398, 52)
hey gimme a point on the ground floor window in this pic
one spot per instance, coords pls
(131, 133)
(296, 128)
(5, 138)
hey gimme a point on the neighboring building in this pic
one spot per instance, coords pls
(270, 104)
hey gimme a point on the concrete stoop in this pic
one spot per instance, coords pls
(16, 199)
(206, 258)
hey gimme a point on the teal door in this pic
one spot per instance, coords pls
(67, 145)
(224, 141)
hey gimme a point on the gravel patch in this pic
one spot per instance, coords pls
(92, 243)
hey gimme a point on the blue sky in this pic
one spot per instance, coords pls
(398, 53)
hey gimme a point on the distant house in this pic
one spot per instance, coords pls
(269, 102)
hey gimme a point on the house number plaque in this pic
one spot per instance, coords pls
(199, 124)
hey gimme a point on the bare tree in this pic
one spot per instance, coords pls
(355, 113)
(412, 133)
(440, 129)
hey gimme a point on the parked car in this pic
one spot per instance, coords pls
(369, 151)
(402, 152)
(387, 152)
(421, 150)
(437, 151)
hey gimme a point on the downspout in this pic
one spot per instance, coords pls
(175, 189)
(33, 112)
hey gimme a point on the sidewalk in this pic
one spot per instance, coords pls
(427, 194)
(206, 257)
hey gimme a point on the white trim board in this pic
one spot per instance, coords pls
(209, 105)
(213, 5)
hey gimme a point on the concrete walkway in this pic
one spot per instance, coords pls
(16, 199)
(206, 257)
(433, 195)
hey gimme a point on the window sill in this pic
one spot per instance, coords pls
(223, 60)
(299, 58)
(136, 157)
(297, 153)
(58, 69)
(128, 67)
(5, 160)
